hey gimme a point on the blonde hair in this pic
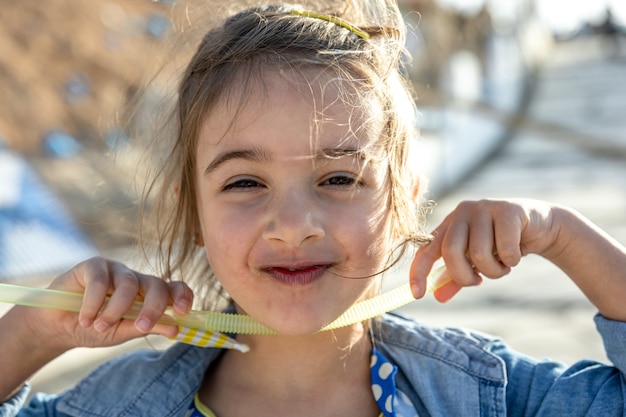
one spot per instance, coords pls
(237, 53)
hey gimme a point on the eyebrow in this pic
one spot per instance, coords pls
(339, 153)
(253, 155)
(260, 155)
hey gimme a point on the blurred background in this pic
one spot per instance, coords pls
(520, 98)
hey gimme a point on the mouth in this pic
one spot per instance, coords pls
(297, 276)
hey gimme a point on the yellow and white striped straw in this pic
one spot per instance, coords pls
(208, 338)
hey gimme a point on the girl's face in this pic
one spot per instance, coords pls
(290, 208)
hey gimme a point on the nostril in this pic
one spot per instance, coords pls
(294, 230)
(293, 217)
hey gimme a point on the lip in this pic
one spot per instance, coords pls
(296, 275)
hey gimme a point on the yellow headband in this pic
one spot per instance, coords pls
(334, 20)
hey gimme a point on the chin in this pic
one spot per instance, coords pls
(299, 322)
(297, 327)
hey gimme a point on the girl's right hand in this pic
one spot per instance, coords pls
(96, 326)
(32, 337)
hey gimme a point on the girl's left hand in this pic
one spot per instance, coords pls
(484, 238)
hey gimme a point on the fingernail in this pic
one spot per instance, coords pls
(415, 290)
(101, 326)
(182, 304)
(143, 325)
(84, 323)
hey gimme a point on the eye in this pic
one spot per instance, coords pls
(242, 185)
(342, 180)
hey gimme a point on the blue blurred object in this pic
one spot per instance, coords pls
(116, 138)
(77, 87)
(60, 144)
(157, 25)
(38, 237)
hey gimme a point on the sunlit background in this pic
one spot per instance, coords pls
(516, 98)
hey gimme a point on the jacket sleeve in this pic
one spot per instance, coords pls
(12, 406)
(41, 405)
(587, 388)
(614, 337)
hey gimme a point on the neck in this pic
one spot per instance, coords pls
(302, 363)
(331, 365)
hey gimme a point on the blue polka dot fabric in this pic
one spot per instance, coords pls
(383, 375)
(392, 402)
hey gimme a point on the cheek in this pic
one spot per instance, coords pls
(380, 225)
(226, 232)
(367, 231)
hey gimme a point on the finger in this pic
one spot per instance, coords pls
(167, 330)
(182, 297)
(126, 288)
(423, 262)
(178, 292)
(156, 296)
(454, 252)
(446, 292)
(508, 232)
(481, 250)
(94, 276)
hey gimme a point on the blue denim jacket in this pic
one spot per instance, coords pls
(445, 372)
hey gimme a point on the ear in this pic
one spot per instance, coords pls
(199, 239)
(418, 187)
(176, 188)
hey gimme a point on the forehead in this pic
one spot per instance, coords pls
(289, 104)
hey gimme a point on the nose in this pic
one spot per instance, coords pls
(293, 218)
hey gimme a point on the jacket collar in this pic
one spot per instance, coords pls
(431, 362)
(148, 383)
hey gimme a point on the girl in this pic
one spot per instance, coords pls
(289, 170)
